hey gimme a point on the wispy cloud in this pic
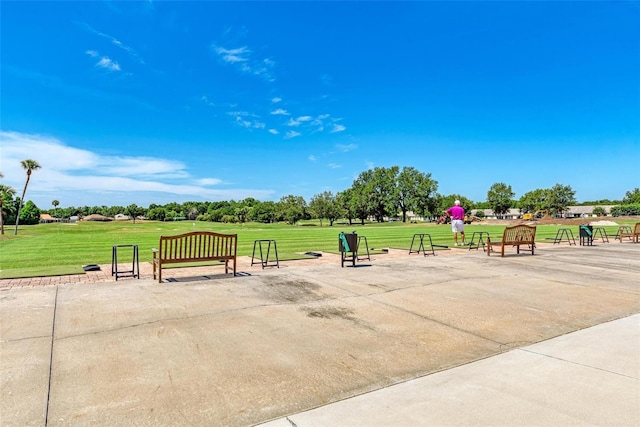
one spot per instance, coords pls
(104, 61)
(280, 112)
(232, 56)
(276, 100)
(338, 128)
(115, 42)
(334, 166)
(348, 147)
(312, 158)
(241, 57)
(208, 181)
(79, 177)
(273, 131)
(205, 100)
(246, 120)
(292, 134)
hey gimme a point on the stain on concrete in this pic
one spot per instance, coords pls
(331, 312)
(290, 291)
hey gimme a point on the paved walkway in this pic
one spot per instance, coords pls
(409, 340)
(590, 377)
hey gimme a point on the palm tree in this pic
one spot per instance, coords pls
(29, 165)
(55, 204)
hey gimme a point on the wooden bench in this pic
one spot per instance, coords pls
(634, 235)
(517, 235)
(197, 246)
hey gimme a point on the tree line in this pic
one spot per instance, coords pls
(379, 194)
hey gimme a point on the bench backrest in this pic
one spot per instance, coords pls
(198, 245)
(519, 233)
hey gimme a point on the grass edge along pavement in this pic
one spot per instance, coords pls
(63, 248)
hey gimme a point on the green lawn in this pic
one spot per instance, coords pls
(63, 248)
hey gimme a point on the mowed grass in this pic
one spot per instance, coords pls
(63, 248)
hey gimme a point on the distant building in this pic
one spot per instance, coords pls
(96, 217)
(46, 218)
(121, 217)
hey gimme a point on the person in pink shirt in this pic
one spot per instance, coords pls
(456, 212)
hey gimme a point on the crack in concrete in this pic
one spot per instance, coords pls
(53, 335)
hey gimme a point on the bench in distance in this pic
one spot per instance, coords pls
(196, 246)
(517, 235)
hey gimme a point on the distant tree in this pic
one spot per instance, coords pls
(359, 196)
(599, 211)
(631, 197)
(55, 204)
(6, 195)
(157, 213)
(242, 213)
(559, 197)
(319, 205)
(343, 200)
(264, 212)
(500, 198)
(134, 211)
(292, 208)
(383, 193)
(533, 200)
(30, 214)
(29, 165)
(416, 191)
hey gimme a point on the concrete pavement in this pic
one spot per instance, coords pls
(589, 377)
(444, 340)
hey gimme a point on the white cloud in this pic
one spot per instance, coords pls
(206, 101)
(92, 53)
(273, 131)
(79, 177)
(345, 148)
(338, 128)
(246, 120)
(209, 181)
(304, 118)
(292, 134)
(233, 56)
(276, 100)
(241, 57)
(115, 42)
(334, 165)
(280, 112)
(106, 62)
(312, 158)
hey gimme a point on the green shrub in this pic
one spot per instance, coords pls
(626, 210)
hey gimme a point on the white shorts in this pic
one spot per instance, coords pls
(457, 225)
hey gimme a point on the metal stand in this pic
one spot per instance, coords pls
(473, 244)
(366, 245)
(599, 231)
(421, 246)
(562, 234)
(264, 261)
(135, 263)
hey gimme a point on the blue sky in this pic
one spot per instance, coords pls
(157, 102)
